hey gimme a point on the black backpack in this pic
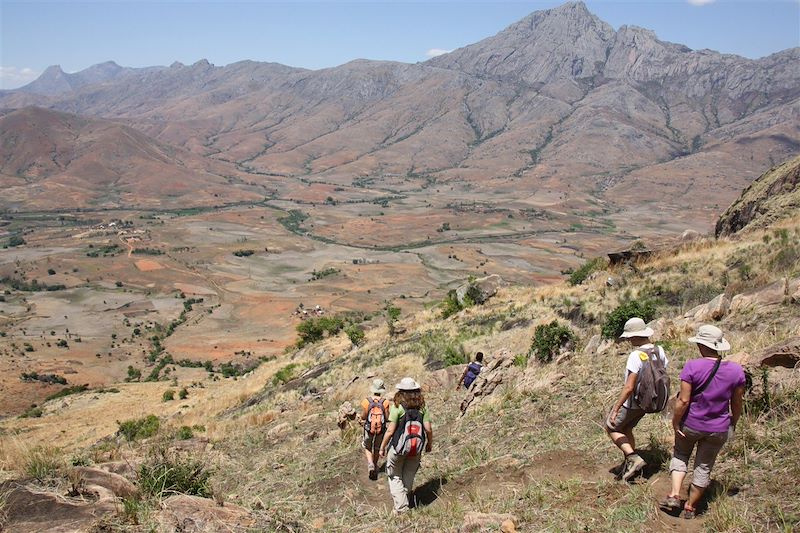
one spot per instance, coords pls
(652, 385)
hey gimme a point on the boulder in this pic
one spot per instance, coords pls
(443, 379)
(690, 235)
(496, 371)
(711, 311)
(193, 514)
(785, 354)
(279, 430)
(771, 295)
(474, 521)
(479, 290)
(29, 510)
(117, 485)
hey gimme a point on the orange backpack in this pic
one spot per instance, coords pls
(376, 416)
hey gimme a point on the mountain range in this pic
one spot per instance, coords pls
(558, 105)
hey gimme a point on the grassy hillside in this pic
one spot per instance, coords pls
(535, 448)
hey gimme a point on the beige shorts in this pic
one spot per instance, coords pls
(626, 420)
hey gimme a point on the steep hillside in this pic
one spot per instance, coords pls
(532, 449)
(773, 196)
(51, 160)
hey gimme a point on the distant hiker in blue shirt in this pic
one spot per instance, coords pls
(471, 372)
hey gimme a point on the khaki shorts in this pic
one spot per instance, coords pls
(626, 420)
(371, 442)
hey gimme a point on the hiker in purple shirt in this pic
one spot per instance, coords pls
(707, 409)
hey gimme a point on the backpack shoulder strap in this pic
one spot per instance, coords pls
(708, 380)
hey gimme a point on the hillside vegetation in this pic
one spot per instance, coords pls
(534, 448)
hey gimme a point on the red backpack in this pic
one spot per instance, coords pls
(376, 416)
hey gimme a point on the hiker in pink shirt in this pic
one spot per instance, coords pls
(707, 409)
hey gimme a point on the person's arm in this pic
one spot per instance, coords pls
(428, 435)
(363, 415)
(390, 429)
(461, 379)
(681, 405)
(736, 405)
(627, 390)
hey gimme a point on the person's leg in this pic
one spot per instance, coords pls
(410, 467)
(620, 430)
(679, 464)
(394, 470)
(708, 447)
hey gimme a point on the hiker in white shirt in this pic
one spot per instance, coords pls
(626, 413)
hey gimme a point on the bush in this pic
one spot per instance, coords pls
(548, 340)
(284, 375)
(43, 463)
(615, 322)
(16, 240)
(139, 428)
(51, 272)
(185, 433)
(584, 271)
(355, 334)
(450, 305)
(75, 389)
(313, 329)
(168, 395)
(167, 473)
(32, 412)
(134, 374)
(183, 394)
(244, 253)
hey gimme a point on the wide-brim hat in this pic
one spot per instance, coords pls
(377, 387)
(711, 336)
(407, 384)
(635, 327)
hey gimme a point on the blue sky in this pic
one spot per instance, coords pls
(318, 34)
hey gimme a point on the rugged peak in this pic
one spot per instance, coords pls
(177, 64)
(564, 42)
(52, 70)
(202, 63)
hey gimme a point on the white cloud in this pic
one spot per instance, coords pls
(700, 2)
(13, 77)
(433, 52)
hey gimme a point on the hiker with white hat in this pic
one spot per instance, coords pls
(374, 415)
(627, 412)
(408, 434)
(707, 409)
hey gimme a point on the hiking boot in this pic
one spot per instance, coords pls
(671, 504)
(689, 513)
(634, 466)
(619, 469)
(373, 472)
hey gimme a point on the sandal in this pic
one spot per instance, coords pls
(671, 503)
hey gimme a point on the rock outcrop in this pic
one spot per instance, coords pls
(771, 197)
(479, 290)
(495, 372)
(193, 514)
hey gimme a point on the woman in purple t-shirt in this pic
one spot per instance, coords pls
(708, 407)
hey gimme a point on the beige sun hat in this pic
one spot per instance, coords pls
(635, 327)
(407, 384)
(378, 387)
(711, 336)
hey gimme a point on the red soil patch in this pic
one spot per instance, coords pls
(148, 265)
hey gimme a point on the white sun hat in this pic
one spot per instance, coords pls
(635, 327)
(378, 387)
(407, 384)
(711, 336)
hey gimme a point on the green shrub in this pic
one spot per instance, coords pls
(75, 389)
(548, 340)
(454, 354)
(165, 473)
(584, 271)
(314, 329)
(134, 374)
(521, 360)
(139, 428)
(355, 334)
(32, 412)
(185, 433)
(168, 395)
(183, 393)
(450, 305)
(284, 375)
(615, 322)
(43, 463)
